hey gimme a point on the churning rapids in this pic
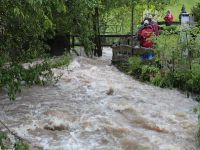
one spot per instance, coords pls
(96, 107)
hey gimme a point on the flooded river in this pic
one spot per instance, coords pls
(96, 107)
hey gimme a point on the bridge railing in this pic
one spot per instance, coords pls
(109, 39)
(106, 40)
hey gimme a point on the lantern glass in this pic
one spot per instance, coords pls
(185, 18)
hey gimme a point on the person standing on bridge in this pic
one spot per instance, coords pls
(168, 18)
(152, 23)
(144, 36)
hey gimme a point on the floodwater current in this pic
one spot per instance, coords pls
(96, 107)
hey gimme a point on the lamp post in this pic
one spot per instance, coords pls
(184, 17)
(185, 20)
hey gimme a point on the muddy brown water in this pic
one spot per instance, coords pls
(96, 107)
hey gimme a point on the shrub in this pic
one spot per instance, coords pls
(172, 28)
(149, 72)
(5, 143)
(14, 76)
(195, 12)
(61, 61)
(135, 64)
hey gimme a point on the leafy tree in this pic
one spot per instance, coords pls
(24, 26)
(195, 12)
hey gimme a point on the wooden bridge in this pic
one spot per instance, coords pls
(70, 41)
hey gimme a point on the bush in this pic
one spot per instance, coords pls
(176, 61)
(171, 28)
(135, 64)
(60, 61)
(193, 83)
(14, 76)
(195, 12)
(5, 143)
(197, 111)
(149, 72)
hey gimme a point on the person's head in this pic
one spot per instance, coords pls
(146, 23)
(168, 12)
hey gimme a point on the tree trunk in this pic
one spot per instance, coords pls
(97, 40)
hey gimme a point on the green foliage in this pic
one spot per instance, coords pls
(149, 72)
(195, 12)
(61, 61)
(172, 28)
(194, 81)
(140, 70)
(13, 76)
(119, 13)
(3, 137)
(134, 64)
(179, 57)
(25, 26)
(197, 111)
(157, 80)
(176, 59)
(18, 145)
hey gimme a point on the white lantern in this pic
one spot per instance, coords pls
(185, 18)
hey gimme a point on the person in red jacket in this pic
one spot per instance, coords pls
(169, 18)
(152, 23)
(144, 35)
